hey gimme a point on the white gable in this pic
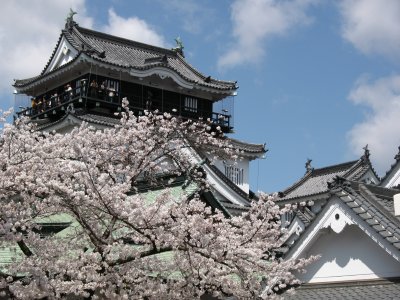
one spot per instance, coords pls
(63, 54)
(349, 255)
(369, 177)
(349, 248)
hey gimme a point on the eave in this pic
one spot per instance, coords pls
(172, 65)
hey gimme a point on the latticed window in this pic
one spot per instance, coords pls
(234, 174)
(190, 104)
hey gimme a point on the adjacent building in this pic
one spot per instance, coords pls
(351, 218)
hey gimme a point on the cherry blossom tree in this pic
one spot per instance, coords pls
(115, 242)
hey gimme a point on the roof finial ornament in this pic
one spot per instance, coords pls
(308, 165)
(366, 155)
(69, 21)
(397, 157)
(179, 46)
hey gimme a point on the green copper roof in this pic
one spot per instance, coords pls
(8, 252)
(56, 218)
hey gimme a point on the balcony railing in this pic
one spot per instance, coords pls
(57, 104)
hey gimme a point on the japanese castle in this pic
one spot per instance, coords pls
(346, 213)
(89, 73)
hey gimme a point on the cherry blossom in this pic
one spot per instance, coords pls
(107, 239)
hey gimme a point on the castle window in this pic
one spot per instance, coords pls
(234, 174)
(190, 104)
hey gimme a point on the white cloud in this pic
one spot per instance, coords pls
(28, 33)
(195, 16)
(372, 26)
(132, 28)
(255, 21)
(380, 128)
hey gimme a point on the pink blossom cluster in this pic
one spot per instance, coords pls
(116, 244)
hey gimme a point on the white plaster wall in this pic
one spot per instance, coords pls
(369, 178)
(244, 164)
(61, 58)
(349, 255)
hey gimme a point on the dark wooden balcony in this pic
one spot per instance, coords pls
(104, 101)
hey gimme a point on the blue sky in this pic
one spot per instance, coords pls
(317, 79)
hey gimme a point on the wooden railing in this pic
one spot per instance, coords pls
(57, 104)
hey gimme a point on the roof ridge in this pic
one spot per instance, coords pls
(25, 82)
(357, 163)
(251, 147)
(243, 142)
(198, 73)
(52, 54)
(317, 172)
(123, 49)
(366, 165)
(123, 40)
(152, 48)
(77, 35)
(324, 170)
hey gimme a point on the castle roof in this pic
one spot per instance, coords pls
(127, 55)
(357, 290)
(315, 181)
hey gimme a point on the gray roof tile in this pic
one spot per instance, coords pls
(130, 54)
(372, 221)
(316, 181)
(351, 290)
(370, 203)
(247, 147)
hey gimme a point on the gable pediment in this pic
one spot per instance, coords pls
(369, 177)
(348, 256)
(349, 247)
(63, 54)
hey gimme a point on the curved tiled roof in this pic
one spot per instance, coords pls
(82, 116)
(130, 54)
(98, 119)
(355, 290)
(27, 81)
(315, 181)
(374, 206)
(371, 203)
(247, 147)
